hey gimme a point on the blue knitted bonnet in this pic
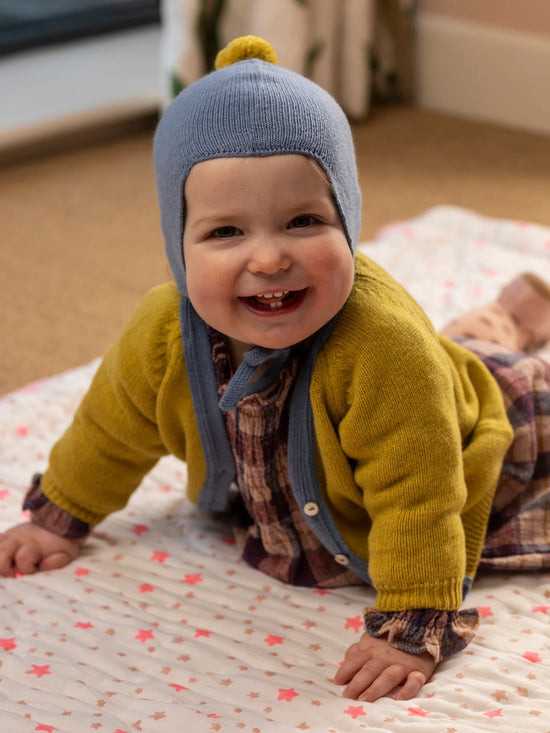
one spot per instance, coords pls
(251, 108)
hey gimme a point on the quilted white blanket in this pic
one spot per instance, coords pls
(158, 627)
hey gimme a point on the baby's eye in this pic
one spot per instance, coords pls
(225, 232)
(302, 221)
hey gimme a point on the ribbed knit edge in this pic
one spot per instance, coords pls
(444, 596)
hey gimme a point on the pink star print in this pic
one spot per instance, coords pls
(271, 640)
(139, 529)
(484, 611)
(354, 623)
(146, 588)
(144, 635)
(540, 609)
(493, 713)
(202, 632)
(355, 711)
(83, 625)
(39, 670)
(81, 571)
(192, 578)
(532, 657)
(160, 556)
(418, 711)
(178, 688)
(48, 728)
(287, 695)
(7, 644)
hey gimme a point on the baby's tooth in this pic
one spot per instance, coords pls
(269, 296)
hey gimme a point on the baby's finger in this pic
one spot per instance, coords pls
(27, 558)
(8, 549)
(390, 678)
(415, 681)
(345, 673)
(363, 679)
(351, 665)
(55, 561)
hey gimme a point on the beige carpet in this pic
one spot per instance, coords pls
(81, 242)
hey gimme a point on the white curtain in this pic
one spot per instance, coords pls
(353, 48)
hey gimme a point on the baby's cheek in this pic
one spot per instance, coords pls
(341, 275)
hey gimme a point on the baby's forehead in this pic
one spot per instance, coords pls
(224, 166)
(284, 175)
(249, 191)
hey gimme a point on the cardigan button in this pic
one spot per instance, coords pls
(311, 509)
(342, 559)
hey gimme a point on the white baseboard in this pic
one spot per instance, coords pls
(51, 85)
(487, 74)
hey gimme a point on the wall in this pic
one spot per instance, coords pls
(487, 60)
(66, 84)
(528, 16)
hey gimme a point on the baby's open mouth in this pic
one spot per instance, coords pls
(275, 301)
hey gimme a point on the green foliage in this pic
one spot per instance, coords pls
(208, 21)
(312, 55)
(177, 85)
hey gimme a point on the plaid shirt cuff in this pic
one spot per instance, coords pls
(47, 515)
(440, 633)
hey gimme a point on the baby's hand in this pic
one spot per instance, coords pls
(372, 668)
(27, 548)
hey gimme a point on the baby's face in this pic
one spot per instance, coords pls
(266, 256)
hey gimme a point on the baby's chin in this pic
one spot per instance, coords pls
(279, 344)
(239, 348)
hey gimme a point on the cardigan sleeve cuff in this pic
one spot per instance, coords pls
(440, 633)
(48, 515)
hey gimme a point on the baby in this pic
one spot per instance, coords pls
(306, 390)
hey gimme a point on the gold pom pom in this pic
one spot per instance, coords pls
(246, 47)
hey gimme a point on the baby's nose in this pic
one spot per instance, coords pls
(268, 258)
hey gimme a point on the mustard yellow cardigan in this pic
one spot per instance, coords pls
(410, 433)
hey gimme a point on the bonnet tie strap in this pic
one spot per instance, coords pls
(243, 383)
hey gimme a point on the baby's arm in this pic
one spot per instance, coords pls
(372, 668)
(27, 548)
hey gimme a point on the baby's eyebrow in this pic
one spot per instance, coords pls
(231, 217)
(212, 220)
(312, 206)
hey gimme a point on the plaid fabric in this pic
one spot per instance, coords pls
(49, 516)
(518, 535)
(270, 528)
(440, 633)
